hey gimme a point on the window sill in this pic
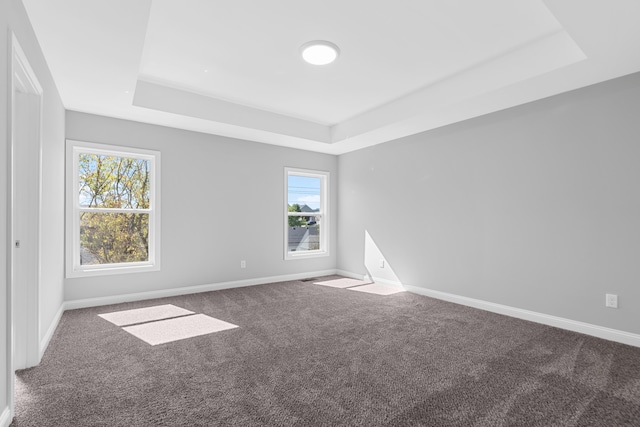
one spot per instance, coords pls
(107, 271)
(305, 255)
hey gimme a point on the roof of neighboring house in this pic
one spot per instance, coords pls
(305, 208)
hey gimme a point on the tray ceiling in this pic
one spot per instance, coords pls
(234, 68)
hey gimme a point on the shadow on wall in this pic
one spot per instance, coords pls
(378, 269)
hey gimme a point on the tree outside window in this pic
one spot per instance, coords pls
(114, 208)
(113, 183)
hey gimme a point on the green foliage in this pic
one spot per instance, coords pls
(113, 183)
(296, 221)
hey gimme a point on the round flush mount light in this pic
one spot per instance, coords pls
(319, 52)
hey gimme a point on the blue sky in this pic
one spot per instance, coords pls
(304, 191)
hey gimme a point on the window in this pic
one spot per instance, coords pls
(306, 214)
(113, 209)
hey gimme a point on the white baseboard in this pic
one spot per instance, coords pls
(44, 342)
(369, 278)
(5, 417)
(116, 299)
(387, 282)
(559, 322)
(351, 275)
(546, 319)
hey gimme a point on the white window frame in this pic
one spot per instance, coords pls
(72, 232)
(323, 214)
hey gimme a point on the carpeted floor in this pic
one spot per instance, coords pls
(308, 355)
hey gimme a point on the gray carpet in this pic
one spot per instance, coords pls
(314, 355)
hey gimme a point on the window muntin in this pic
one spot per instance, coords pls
(306, 213)
(113, 209)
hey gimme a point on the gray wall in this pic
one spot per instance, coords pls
(536, 207)
(13, 17)
(222, 201)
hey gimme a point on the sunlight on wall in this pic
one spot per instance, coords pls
(378, 268)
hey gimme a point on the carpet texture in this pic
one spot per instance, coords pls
(306, 355)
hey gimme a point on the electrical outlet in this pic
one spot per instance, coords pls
(612, 301)
(381, 263)
(243, 264)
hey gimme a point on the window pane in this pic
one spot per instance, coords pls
(107, 238)
(304, 236)
(303, 194)
(113, 182)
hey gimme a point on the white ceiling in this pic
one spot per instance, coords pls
(233, 67)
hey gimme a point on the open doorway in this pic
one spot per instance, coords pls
(24, 212)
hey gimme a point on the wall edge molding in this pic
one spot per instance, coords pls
(5, 417)
(387, 282)
(597, 331)
(370, 278)
(44, 342)
(352, 275)
(140, 296)
(533, 316)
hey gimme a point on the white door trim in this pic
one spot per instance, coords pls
(25, 124)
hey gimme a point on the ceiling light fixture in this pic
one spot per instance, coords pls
(319, 52)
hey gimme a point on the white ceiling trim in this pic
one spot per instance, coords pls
(431, 104)
(95, 51)
(164, 98)
(545, 54)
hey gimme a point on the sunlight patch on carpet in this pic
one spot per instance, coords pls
(142, 315)
(341, 283)
(164, 331)
(375, 288)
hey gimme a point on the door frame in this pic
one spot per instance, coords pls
(23, 80)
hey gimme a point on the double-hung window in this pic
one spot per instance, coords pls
(113, 210)
(306, 213)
